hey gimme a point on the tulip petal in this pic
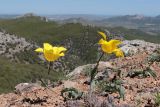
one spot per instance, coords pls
(39, 50)
(115, 42)
(55, 50)
(103, 35)
(47, 46)
(61, 54)
(107, 47)
(50, 57)
(102, 41)
(118, 52)
(62, 49)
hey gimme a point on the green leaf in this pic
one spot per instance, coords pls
(122, 92)
(152, 73)
(71, 93)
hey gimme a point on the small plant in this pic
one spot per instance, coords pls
(112, 86)
(71, 94)
(144, 74)
(107, 47)
(157, 99)
(154, 56)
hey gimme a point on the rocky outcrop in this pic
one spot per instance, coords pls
(12, 44)
(133, 47)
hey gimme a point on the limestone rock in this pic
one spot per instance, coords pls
(82, 69)
(23, 87)
(135, 46)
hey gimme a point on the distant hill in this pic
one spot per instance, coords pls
(134, 19)
(144, 23)
(147, 24)
(158, 16)
(8, 16)
(72, 16)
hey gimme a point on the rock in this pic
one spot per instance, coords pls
(81, 70)
(106, 74)
(134, 46)
(104, 65)
(77, 71)
(129, 50)
(23, 87)
(69, 84)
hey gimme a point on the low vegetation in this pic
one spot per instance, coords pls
(13, 73)
(157, 99)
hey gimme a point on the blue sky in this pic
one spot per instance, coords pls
(103, 7)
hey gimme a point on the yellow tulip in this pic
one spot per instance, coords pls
(110, 46)
(51, 53)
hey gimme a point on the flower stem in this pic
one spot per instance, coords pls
(49, 67)
(94, 71)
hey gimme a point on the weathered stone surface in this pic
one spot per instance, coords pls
(11, 44)
(22, 87)
(135, 46)
(81, 70)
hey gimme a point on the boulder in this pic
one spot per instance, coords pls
(81, 70)
(23, 87)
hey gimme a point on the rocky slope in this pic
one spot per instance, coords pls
(10, 45)
(140, 85)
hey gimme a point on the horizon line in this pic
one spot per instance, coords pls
(75, 14)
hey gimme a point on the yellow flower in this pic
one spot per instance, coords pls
(51, 53)
(110, 46)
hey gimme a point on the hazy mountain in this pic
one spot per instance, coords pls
(147, 24)
(158, 16)
(137, 19)
(144, 23)
(72, 16)
(8, 16)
